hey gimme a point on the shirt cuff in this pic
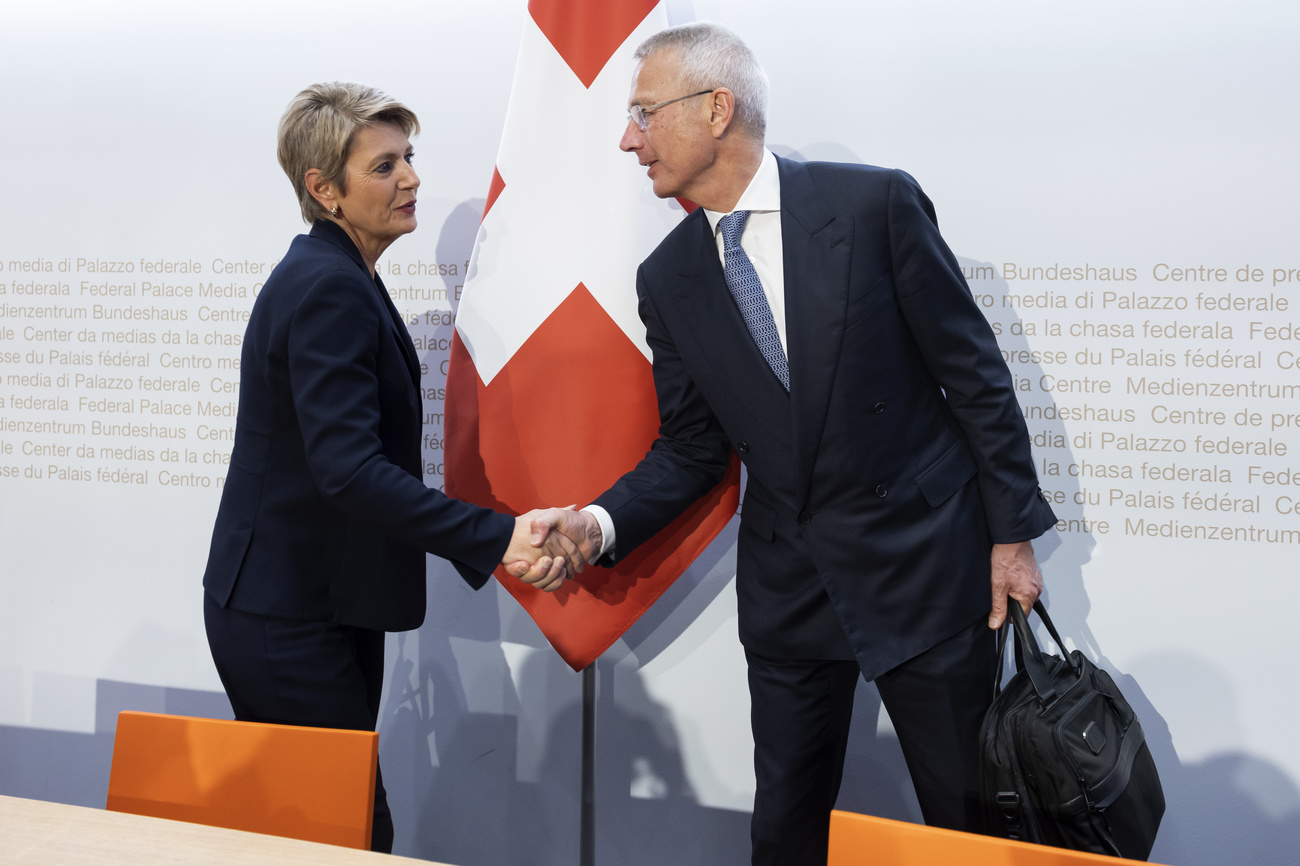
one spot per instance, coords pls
(606, 531)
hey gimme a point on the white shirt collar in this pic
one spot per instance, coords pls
(762, 195)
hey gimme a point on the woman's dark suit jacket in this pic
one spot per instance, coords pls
(324, 515)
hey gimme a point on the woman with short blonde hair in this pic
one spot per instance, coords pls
(320, 539)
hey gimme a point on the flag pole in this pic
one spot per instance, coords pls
(586, 822)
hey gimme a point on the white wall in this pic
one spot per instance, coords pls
(1127, 136)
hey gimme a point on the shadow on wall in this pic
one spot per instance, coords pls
(646, 810)
(1231, 807)
(65, 767)
(644, 787)
(481, 748)
(450, 737)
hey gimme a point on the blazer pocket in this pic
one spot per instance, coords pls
(863, 304)
(758, 518)
(252, 449)
(947, 475)
(225, 561)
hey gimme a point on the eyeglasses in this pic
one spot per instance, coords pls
(639, 115)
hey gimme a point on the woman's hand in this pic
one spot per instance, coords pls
(545, 566)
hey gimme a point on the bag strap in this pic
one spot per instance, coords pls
(1051, 629)
(1027, 646)
(1033, 656)
(1002, 657)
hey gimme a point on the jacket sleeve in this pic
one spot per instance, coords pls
(689, 457)
(340, 366)
(962, 354)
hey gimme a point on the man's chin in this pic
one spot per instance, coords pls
(664, 190)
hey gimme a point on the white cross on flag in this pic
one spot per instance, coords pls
(549, 393)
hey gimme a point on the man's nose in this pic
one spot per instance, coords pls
(632, 138)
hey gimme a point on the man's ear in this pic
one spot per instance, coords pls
(722, 111)
(321, 188)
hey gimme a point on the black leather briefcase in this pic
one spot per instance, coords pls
(1063, 759)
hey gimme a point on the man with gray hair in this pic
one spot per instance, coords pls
(810, 317)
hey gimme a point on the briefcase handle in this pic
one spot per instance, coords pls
(1028, 656)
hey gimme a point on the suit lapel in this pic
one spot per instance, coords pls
(817, 249)
(328, 231)
(400, 333)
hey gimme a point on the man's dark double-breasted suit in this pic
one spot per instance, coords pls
(878, 483)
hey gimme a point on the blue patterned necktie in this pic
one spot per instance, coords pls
(747, 289)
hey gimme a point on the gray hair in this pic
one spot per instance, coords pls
(318, 129)
(710, 55)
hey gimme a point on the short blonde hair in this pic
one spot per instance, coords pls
(318, 129)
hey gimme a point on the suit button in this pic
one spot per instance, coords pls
(804, 518)
(742, 447)
(882, 491)
(878, 408)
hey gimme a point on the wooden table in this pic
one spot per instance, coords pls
(37, 833)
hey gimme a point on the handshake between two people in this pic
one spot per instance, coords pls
(551, 545)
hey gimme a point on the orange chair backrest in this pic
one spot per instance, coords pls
(861, 839)
(316, 784)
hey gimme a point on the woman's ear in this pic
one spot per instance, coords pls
(322, 189)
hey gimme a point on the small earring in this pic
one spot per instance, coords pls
(334, 211)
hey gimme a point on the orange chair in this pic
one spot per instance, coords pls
(316, 784)
(860, 839)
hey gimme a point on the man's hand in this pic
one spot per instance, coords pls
(544, 564)
(1015, 574)
(578, 527)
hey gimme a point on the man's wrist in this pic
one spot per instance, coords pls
(605, 543)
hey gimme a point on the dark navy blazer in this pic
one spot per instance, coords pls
(324, 515)
(878, 484)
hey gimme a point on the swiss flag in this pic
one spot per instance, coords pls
(549, 393)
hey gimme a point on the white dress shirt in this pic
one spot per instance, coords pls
(761, 241)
